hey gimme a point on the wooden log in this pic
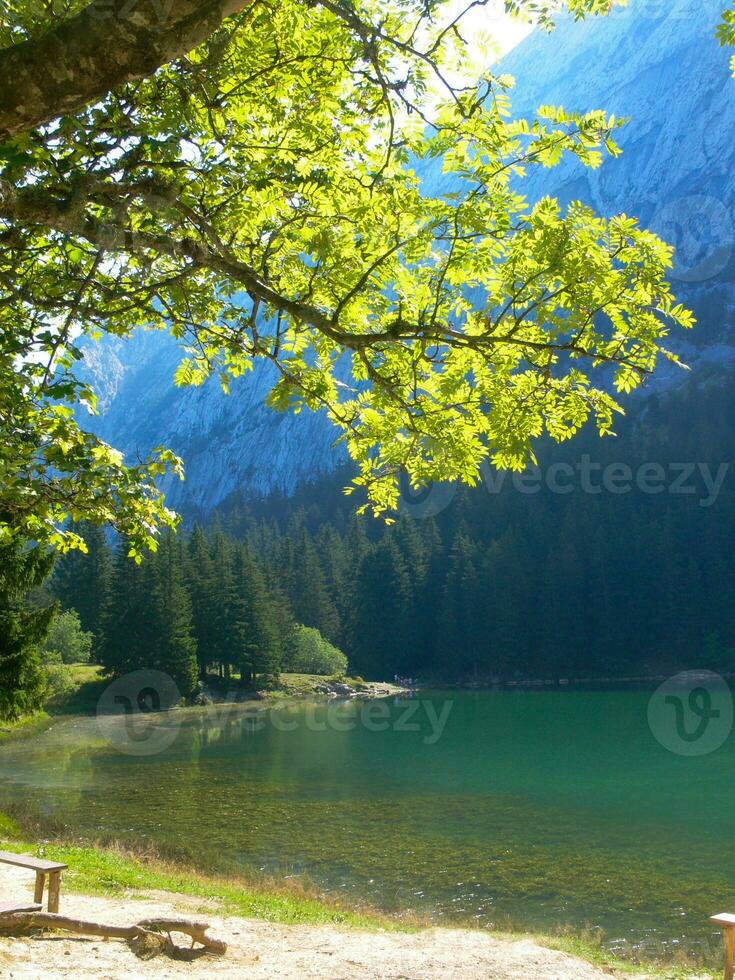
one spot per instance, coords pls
(197, 931)
(21, 923)
(30, 921)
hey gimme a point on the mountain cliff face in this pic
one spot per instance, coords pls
(229, 443)
(655, 62)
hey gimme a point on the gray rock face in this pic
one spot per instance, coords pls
(228, 442)
(656, 62)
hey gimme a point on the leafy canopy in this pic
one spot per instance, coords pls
(258, 198)
(67, 642)
(307, 652)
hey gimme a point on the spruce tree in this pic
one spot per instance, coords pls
(220, 645)
(382, 640)
(83, 581)
(312, 604)
(205, 601)
(173, 646)
(257, 645)
(22, 630)
(130, 626)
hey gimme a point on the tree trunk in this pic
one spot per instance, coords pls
(109, 43)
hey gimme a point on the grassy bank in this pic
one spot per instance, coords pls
(115, 871)
(111, 871)
(29, 725)
(89, 683)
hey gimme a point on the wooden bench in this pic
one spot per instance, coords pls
(44, 869)
(726, 922)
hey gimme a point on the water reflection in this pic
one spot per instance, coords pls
(539, 809)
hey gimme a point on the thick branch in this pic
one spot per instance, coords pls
(21, 923)
(107, 44)
(35, 206)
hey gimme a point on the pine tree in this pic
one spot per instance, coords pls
(205, 602)
(462, 639)
(130, 627)
(256, 647)
(173, 646)
(83, 582)
(22, 630)
(381, 627)
(310, 600)
(220, 645)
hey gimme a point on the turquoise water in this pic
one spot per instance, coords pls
(533, 810)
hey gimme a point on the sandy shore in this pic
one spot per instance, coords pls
(259, 949)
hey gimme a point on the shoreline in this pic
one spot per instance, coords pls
(105, 866)
(101, 878)
(589, 685)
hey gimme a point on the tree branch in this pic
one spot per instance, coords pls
(35, 206)
(109, 43)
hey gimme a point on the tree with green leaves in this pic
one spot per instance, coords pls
(256, 649)
(383, 640)
(206, 604)
(130, 626)
(241, 172)
(307, 652)
(23, 629)
(67, 642)
(149, 622)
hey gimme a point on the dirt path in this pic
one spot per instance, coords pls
(260, 949)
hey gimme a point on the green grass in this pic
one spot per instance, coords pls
(89, 683)
(586, 948)
(108, 872)
(307, 684)
(28, 725)
(112, 871)
(85, 673)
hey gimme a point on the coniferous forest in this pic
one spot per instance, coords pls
(503, 582)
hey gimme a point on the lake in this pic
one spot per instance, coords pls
(536, 810)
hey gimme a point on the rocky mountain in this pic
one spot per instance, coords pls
(655, 62)
(229, 443)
